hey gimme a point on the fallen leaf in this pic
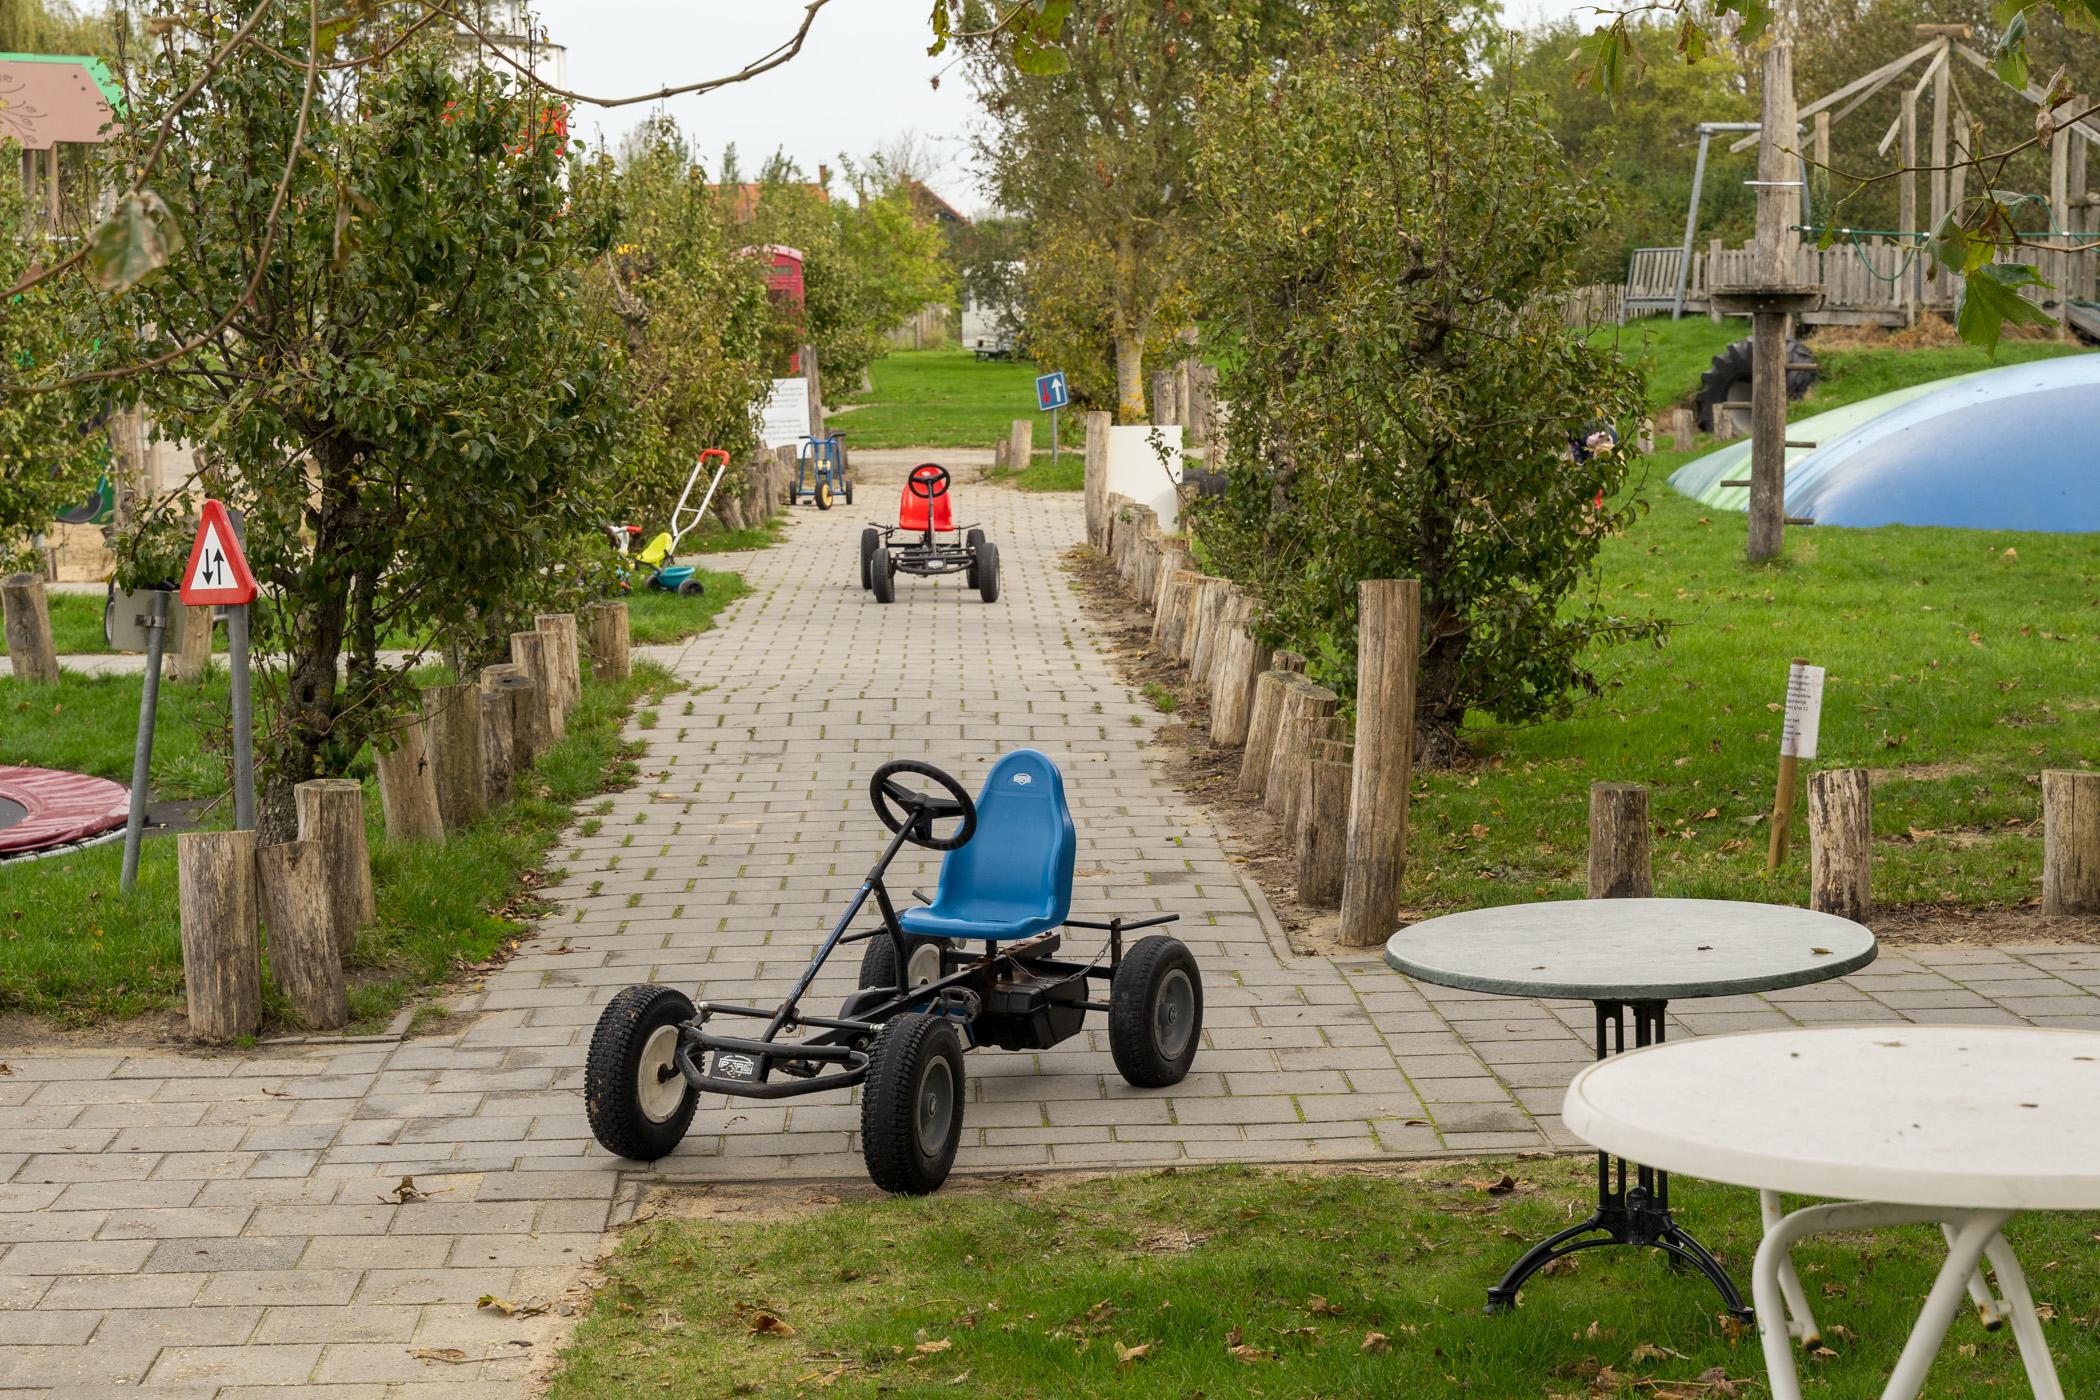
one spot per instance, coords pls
(1501, 1186)
(766, 1324)
(408, 1191)
(1820, 952)
(1825, 1353)
(6, 1068)
(1101, 1311)
(823, 1380)
(508, 1308)
(933, 1348)
(1250, 1356)
(958, 1380)
(1317, 1304)
(1127, 1357)
(451, 1356)
(1649, 1351)
(1479, 831)
(1376, 1343)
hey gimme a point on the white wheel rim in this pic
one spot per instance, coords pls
(935, 1108)
(1174, 1014)
(925, 965)
(659, 1088)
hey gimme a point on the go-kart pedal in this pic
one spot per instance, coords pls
(976, 967)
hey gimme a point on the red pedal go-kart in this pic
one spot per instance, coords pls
(925, 512)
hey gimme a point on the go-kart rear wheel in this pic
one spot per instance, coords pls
(822, 495)
(911, 1105)
(1155, 1012)
(878, 965)
(884, 582)
(973, 542)
(985, 572)
(870, 541)
(638, 1103)
(691, 588)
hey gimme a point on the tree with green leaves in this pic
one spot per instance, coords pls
(378, 340)
(1405, 400)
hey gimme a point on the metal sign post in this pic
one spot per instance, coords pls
(218, 575)
(1051, 395)
(155, 624)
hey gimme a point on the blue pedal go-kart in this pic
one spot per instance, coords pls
(976, 967)
(820, 472)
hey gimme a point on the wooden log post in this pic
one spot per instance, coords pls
(1262, 721)
(1215, 602)
(1291, 661)
(528, 716)
(1021, 444)
(499, 745)
(1323, 834)
(1388, 632)
(28, 624)
(1173, 563)
(1095, 478)
(1192, 618)
(1303, 703)
(188, 644)
(1621, 862)
(407, 791)
(529, 652)
(2070, 842)
(1241, 662)
(221, 955)
(298, 909)
(452, 729)
(1002, 454)
(332, 821)
(1170, 625)
(565, 654)
(611, 652)
(1841, 843)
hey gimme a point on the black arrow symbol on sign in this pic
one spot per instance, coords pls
(214, 560)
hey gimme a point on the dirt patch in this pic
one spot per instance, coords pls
(1980, 925)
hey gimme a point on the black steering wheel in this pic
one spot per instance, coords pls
(933, 483)
(921, 809)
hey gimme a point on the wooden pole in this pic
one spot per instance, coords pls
(528, 716)
(499, 744)
(611, 652)
(452, 727)
(1766, 536)
(407, 791)
(1777, 204)
(1840, 843)
(1240, 667)
(529, 652)
(1261, 731)
(28, 625)
(1306, 708)
(565, 656)
(1388, 632)
(1021, 449)
(1621, 866)
(221, 956)
(332, 822)
(1942, 116)
(2070, 842)
(1096, 478)
(1323, 834)
(298, 909)
(1907, 200)
(1783, 799)
(189, 658)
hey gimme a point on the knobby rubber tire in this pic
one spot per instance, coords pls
(1732, 366)
(870, 541)
(1132, 993)
(972, 542)
(884, 582)
(986, 573)
(897, 1160)
(609, 1097)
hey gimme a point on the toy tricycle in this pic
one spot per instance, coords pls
(925, 509)
(661, 554)
(820, 472)
(924, 997)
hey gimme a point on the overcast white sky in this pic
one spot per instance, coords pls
(860, 79)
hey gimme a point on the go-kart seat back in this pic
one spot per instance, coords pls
(912, 511)
(1014, 877)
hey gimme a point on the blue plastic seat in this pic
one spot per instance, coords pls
(1014, 877)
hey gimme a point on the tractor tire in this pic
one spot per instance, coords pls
(911, 1105)
(870, 542)
(1155, 1012)
(984, 573)
(633, 1110)
(1732, 367)
(884, 582)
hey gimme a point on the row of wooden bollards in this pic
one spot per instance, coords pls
(1341, 802)
(1841, 842)
(438, 772)
(25, 611)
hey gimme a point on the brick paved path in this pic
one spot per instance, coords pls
(227, 1225)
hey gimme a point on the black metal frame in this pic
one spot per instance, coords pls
(1023, 970)
(925, 555)
(1633, 1214)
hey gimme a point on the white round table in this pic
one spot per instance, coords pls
(1960, 1126)
(1637, 956)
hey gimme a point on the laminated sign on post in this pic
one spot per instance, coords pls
(1804, 711)
(218, 572)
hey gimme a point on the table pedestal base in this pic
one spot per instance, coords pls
(1635, 1212)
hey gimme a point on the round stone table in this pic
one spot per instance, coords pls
(1629, 956)
(1959, 1126)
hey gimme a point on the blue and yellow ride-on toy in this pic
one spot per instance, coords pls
(820, 472)
(976, 967)
(660, 555)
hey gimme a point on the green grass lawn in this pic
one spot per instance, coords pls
(1224, 1282)
(1066, 473)
(654, 616)
(76, 951)
(949, 398)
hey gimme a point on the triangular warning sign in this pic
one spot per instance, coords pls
(218, 571)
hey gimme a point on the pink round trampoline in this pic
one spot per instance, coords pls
(41, 808)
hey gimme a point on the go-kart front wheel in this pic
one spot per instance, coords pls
(973, 542)
(1155, 1012)
(985, 572)
(884, 579)
(638, 1102)
(870, 542)
(911, 1105)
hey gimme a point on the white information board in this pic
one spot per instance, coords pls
(784, 421)
(1136, 470)
(1804, 711)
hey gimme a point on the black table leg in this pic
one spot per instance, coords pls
(1635, 1212)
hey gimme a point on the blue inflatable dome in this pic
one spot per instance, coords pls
(2013, 448)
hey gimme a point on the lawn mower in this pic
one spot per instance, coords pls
(660, 556)
(924, 995)
(820, 472)
(925, 509)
